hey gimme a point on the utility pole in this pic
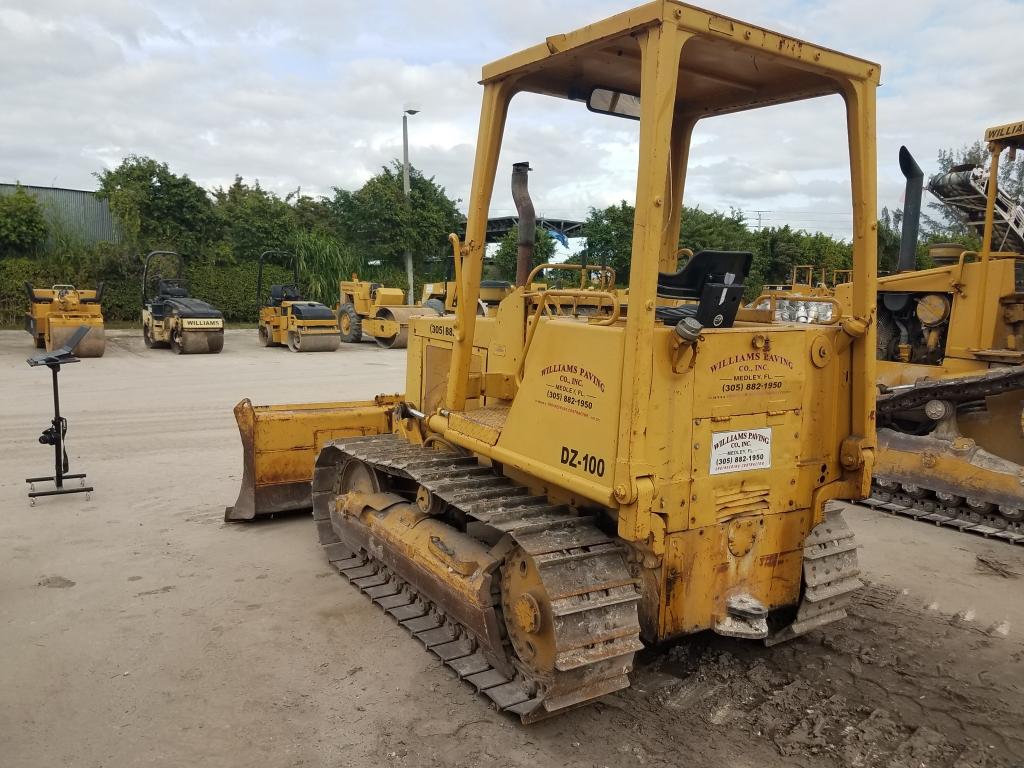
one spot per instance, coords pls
(410, 299)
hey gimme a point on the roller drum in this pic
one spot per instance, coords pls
(199, 342)
(93, 345)
(401, 315)
(313, 342)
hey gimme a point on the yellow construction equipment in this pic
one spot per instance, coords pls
(442, 297)
(172, 318)
(552, 488)
(950, 354)
(379, 312)
(285, 317)
(54, 314)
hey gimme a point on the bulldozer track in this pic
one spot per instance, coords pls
(930, 509)
(593, 597)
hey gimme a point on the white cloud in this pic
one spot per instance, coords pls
(310, 94)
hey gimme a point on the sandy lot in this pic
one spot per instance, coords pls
(137, 629)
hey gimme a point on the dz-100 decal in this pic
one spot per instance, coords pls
(592, 465)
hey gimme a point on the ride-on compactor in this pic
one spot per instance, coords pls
(171, 317)
(550, 489)
(285, 317)
(54, 314)
(951, 359)
(379, 312)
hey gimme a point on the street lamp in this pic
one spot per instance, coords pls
(408, 188)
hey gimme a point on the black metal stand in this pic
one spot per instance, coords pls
(55, 433)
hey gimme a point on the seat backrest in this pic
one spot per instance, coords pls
(171, 289)
(287, 292)
(726, 267)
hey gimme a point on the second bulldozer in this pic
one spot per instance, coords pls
(551, 490)
(951, 359)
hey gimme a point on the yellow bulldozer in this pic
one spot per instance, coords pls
(55, 313)
(285, 317)
(950, 354)
(379, 312)
(551, 490)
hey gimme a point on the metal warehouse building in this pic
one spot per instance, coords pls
(74, 209)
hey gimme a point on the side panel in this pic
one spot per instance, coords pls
(565, 415)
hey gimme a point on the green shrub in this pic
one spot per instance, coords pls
(22, 225)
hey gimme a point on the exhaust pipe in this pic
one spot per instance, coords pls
(911, 211)
(527, 221)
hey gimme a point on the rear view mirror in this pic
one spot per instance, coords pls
(609, 102)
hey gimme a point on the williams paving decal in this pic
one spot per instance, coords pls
(741, 450)
(571, 388)
(751, 372)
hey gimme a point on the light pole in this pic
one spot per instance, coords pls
(408, 188)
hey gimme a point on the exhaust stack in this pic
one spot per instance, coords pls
(527, 221)
(911, 211)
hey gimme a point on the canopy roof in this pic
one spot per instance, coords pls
(727, 66)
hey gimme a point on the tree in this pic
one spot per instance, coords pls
(379, 225)
(252, 219)
(158, 209)
(609, 233)
(889, 236)
(505, 258)
(313, 215)
(22, 225)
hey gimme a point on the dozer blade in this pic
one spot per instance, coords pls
(93, 345)
(280, 444)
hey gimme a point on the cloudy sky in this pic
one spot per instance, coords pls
(309, 94)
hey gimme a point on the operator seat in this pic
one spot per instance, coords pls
(171, 289)
(712, 279)
(282, 293)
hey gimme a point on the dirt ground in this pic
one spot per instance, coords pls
(136, 628)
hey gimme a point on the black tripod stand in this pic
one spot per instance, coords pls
(55, 433)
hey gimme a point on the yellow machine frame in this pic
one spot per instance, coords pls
(54, 314)
(704, 457)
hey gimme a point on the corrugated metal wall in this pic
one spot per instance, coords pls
(81, 212)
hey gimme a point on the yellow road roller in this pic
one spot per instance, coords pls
(379, 312)
(171, 317)
(285, 317)
(55, 313)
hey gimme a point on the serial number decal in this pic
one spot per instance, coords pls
(750, 372)
(571, 388)
(740, 450)
(592, 465)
